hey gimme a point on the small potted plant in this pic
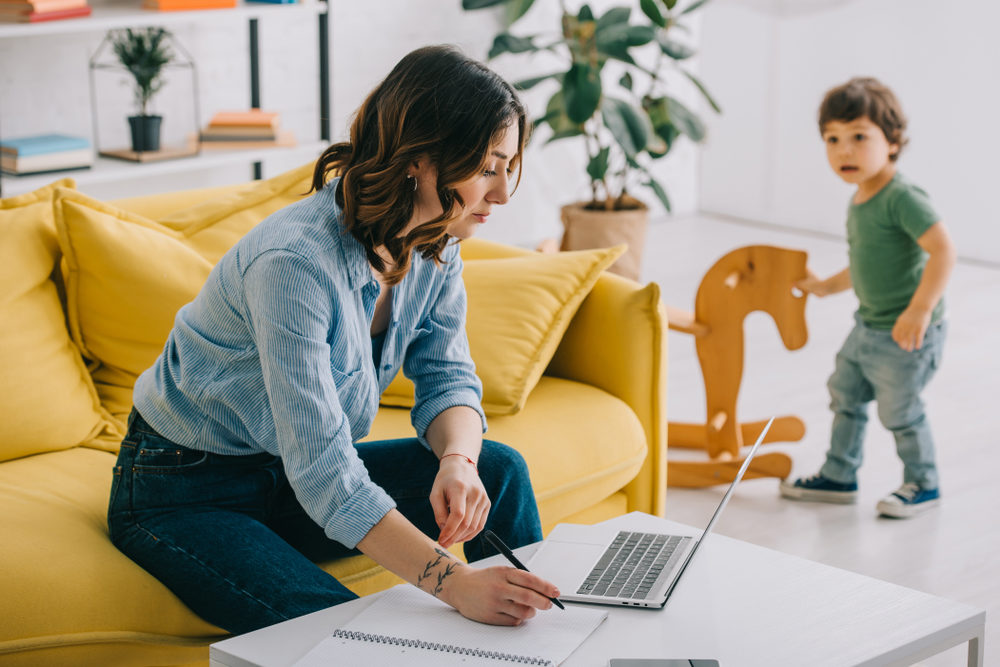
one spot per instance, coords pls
(144, 53)
(627, 116)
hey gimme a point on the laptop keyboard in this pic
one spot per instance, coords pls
(631, 565)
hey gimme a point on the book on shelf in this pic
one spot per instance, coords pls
(253, 125)
(186, 5)
(45, 152)
(32, 16)
(248, 118)
(39, 6)
(238, 133)
(283, 139)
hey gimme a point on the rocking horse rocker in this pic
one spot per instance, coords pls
(743, 281)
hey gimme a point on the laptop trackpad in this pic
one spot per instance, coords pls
(569, 553)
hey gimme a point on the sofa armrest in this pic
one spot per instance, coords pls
(618, 343)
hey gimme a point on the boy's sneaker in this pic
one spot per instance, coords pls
(820, 489)
(908, 500)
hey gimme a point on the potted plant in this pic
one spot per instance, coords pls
(625, 115)
(144, 52)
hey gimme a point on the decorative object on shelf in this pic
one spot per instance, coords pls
(145, 56)
(144, 53)
(43, 153)
(624, 114)
(33, 11)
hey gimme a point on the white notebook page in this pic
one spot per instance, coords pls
(407, 613)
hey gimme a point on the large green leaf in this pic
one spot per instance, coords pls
(508, 43)
(673, 48)
(555, 114)
(597, 168)
(652, 10)
(629, 127)
(614, 16)
(685, 120)
(582, 92)
(480, 4)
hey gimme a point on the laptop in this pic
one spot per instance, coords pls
(635, 569)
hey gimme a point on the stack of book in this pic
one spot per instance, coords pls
(245, 129)
(45, 152)
(187, 5)
(32, 11)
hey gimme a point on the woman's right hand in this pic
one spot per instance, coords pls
(498, 595)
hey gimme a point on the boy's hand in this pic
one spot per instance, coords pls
(812, 284)
(910, 327)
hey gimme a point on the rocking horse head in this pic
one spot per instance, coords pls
(756, 278)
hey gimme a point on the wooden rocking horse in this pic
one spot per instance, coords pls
(743, 281)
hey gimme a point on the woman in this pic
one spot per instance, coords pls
(242, 465)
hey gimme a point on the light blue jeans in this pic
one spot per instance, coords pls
(871, 366)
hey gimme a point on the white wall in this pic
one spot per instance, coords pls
(771, 62)
(43, 87)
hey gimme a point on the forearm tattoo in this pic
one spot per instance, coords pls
(432, 569)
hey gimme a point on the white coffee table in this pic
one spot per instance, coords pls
(738, 603)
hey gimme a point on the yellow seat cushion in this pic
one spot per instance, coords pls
(601, 444)
(71, 594)
(47, 400)
(518, 310)
(127, 276)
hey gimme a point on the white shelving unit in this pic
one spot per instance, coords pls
(121, 15)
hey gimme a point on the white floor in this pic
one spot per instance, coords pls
(953, 551)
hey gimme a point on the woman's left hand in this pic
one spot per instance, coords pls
(459, 501)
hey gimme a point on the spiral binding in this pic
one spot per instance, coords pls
(443, 648)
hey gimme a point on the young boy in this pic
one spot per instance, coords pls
(900, 258)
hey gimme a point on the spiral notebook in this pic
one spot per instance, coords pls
(407, 626)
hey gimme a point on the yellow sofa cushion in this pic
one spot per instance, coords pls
(581, 444)
(127, 275)
(47, 401)
(72, 598)
(519, 308)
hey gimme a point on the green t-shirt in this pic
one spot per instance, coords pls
(885, 260)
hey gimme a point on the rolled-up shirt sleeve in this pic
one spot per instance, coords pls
(290, 310)
(438, 360)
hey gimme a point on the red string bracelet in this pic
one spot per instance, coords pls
(473, 463)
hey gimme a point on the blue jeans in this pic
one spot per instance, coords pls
(227, 536)
(871, 366)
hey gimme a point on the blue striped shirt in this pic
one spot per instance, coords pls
(275, 355)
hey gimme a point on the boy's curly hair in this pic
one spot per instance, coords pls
(866, 97)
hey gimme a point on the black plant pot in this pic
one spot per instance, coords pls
(145, 133)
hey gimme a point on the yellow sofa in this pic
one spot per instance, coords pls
(87, 291)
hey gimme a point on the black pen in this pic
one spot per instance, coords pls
(498, 544)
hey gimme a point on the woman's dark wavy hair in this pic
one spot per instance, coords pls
(870, 98)
(437, 103)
